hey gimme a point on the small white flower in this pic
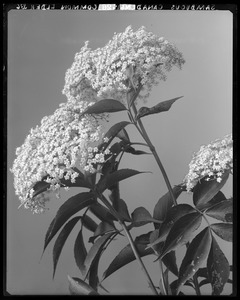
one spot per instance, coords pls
(210, 161)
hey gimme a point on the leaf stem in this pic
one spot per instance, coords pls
(153, 150)
(128, 235)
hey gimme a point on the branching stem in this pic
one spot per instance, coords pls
(128, 235)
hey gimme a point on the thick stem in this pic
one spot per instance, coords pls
(152, 148)
(128, 235)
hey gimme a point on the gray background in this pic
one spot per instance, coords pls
(41, 47)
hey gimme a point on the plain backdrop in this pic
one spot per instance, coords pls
(41, 47)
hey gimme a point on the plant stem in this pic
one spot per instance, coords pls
(162, 278)
(138, 258)
(195, 282)
(128, 235)
(152, 148)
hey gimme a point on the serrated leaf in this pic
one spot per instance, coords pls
(61, 239)
(223, 230)
(222, 211)
(141, 216)
(125, 256)
(204, 191)
(78, 287)
(218, 268)
(102, 213)
(160, 107)
(115, 177)
(181, 232)
(164, 204)
(69, 208)
(101, 229)
(104, 106)
(80, 252)
(95, 250)
(173, 214)
(196, 254)
(89, 223)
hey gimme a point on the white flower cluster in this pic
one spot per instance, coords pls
(62, 141)
(210, 161)
(107, 68)
(67, 139)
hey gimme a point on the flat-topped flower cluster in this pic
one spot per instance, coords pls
(211, 161)
(106, 68)
(66, 140)
(52, 150)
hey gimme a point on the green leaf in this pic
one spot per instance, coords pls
(78, 287)
(181, 232)
(89, 223)
(143, 238)
(131, 150)
(219, 197)
(112, 133)
(170, 262)
(102, 213)
(96, 248)
(113, 178)
(102, 228)
(222, 211)
(79, 181)
(141, 216)
(218, 268)
(164, 204)
(153, 237)
(160, 107)
(42, 186)
(60, 241)
(121, 207)
(123, 135)
(173, 214)
(204, 191)
(196, 254)
(223, 230)
(202, 272)
(125, 256)
(69, 208)
(104, 106)
(80, 252)
(173, 286)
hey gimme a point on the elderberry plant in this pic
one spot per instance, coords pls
(72, 148)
